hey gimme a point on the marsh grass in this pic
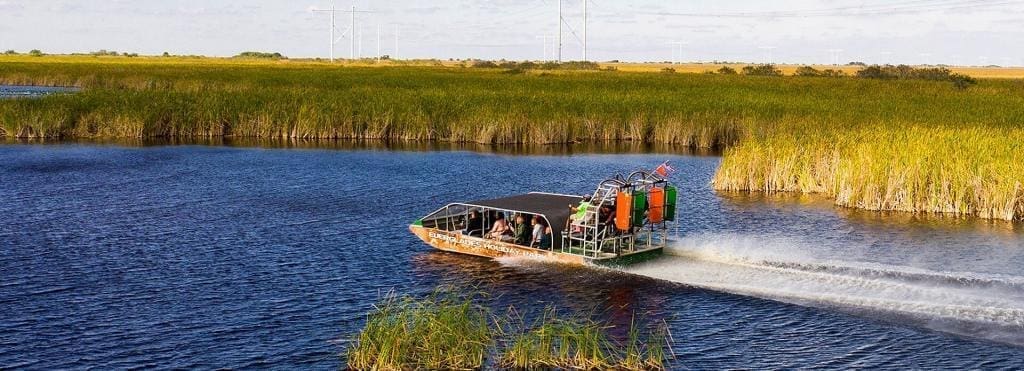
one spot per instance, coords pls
(906, 145)
(441, 331)
(446, 330)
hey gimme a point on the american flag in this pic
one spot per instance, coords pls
(664, 169)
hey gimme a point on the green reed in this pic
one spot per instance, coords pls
(442, 331)
(909, 145)
(446, 330)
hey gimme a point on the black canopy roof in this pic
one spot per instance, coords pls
(554, 207)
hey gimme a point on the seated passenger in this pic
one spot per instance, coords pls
(499, 228)
(474, 224)
(538, 230)
(607, 218)
(545, 239)
(522, 234)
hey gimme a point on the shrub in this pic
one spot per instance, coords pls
(260, 55)
(833, 73)
(762, 70)
(484, 64)
(807, 71)
(874, 72)
(549, 65)
(961, 81)
(580, 65)
(726, 70)
(907, 72)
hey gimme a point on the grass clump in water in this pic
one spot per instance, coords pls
(576, 342)
(446, 330)
(441, 331)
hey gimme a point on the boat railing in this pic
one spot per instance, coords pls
(591, 237)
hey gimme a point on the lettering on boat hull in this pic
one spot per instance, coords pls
(457, 242)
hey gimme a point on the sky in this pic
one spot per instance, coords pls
(957, 32)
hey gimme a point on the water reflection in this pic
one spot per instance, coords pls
(610, 147)
(24, 91)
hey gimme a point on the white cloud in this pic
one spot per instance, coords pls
(625, 30)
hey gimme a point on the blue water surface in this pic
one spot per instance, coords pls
(217, 257)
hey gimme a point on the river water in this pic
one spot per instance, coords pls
(213, 256)
(22, 91)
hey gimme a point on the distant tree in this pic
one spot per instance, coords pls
(862, 64)
(762, 70)
(833, 73)
(549, 65)
(11, 52)
(260, 55)
(904, 72)
(166, 54)
(874, 72)
(807, 71)
(580, 65)
(726, 70)
(484, 64)
(385, 57)
(961, 81)
(35, 53)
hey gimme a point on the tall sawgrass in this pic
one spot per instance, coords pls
(575, 342)
(909, 145)
(442, 331)
(974, 170)
(450, 331)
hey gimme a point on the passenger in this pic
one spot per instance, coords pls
(545, 239)
(474, 224)
(580, 211)
(538, 230)
(499, 228)
(522, 234)
(605, 217)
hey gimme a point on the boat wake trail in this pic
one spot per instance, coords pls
(989, 306)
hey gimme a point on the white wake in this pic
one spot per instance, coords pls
(975, 304)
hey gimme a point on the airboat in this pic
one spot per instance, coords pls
(626, 220)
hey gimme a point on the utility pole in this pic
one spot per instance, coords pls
(834, 56)
(768, 50)
(680, 45)
(378, 41)
(559, 31)
(544, 42)
(352, 52)
(396, 43)
(359, 53)
(585, 30)
(351, 30)
(333, 10)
